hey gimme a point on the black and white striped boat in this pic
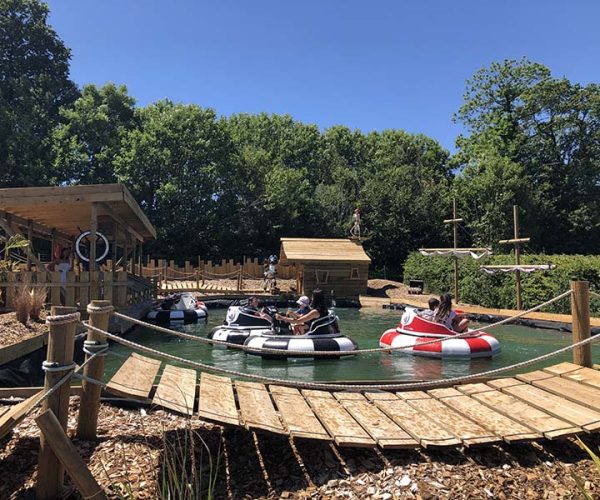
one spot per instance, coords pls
(241, 323)
(180, 308)
(324, 335)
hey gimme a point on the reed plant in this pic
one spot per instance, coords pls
(38, 299)
(580, 483)
(22, 301)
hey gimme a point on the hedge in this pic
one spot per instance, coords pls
(498, 291)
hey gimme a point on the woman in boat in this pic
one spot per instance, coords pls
(318, 310)
(447, 317)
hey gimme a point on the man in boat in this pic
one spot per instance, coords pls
(253, 307)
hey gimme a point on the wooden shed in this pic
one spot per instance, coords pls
(337, 266)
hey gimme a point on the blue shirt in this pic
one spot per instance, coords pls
(303, 310)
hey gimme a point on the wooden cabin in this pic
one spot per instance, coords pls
(52, 219)
(337, 266)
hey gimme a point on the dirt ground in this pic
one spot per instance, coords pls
(127, 457)
(12, 331)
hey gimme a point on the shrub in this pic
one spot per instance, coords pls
(498, 291)
(38, 298)
(23, 303)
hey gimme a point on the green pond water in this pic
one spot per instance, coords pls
(365, 326)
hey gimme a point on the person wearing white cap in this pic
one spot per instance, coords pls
(304, 303)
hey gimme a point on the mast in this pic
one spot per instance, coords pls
(454, 221)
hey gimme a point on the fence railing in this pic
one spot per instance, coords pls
(78, 288)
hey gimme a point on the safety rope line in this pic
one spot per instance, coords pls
(343, 387)
(307, 353)
(595, 294)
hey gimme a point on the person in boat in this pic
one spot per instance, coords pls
(428, 313)
(253, 307)
(304, 308)
(447, 317)
(318, 309)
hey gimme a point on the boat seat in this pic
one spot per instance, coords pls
(325, 325)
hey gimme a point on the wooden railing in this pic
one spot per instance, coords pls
(79, 288)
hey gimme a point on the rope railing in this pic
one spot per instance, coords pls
(341, 387)
(306, 353)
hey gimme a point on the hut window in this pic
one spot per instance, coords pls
(354, 274)
(322, 277)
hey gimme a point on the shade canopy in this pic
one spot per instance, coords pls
(66, 211)
(321, 250)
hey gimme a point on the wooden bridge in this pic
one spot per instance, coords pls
(558, 401)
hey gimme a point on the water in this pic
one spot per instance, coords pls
(365, 326)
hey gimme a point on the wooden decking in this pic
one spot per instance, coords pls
(559, 401)
(205, 287)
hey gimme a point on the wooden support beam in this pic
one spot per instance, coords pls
(514, 240)
(580, 309)
(30, 238)
(451, 221)
(69, 457)
(117, 218)
(40, 229)
(93, 235)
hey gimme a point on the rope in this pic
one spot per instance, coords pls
(343, 387)
(93, 347)
(53, 366)
(100, 309)
(63, 319)
(329, 353)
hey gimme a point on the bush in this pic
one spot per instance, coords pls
(22, 303)
(498, 291)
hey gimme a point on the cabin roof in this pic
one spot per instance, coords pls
(68, 209)
(321, 250)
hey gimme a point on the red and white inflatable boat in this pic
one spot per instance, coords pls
(414, 330)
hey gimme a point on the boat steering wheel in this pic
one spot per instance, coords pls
(83, 246)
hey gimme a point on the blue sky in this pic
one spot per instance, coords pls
(367, 65)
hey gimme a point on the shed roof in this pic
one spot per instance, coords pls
(67, 209)
(321, 250)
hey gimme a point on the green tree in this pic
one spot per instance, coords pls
(34, 84)
(89, 139)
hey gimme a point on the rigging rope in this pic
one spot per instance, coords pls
(342, 387)
(336, 353)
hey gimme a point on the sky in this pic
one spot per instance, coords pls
(366, 65)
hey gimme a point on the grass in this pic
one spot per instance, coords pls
(38, 298)
(22, 301)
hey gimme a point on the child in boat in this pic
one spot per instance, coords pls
(318, 310)
(447, 317)
(428, 313)
(304, 308)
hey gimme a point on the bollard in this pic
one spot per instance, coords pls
(87, 425)
(59, 360)
(580, 311)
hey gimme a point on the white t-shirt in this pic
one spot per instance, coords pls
(447, 321)
(63, 268)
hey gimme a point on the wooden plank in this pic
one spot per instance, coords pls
(470, 389)
(217, 401)
(338, 422)
(462, 427)
(562, 368)
(410, 395)
(501, 425)
(297, 415)
(427, 432)
(15, 414)
(135, 377)
(256, 408)
(501, 383)
(555, 405)
(571, 390)
(176, 390)
(379, 426)
(585, 376)
(532, 376)
(537, 420)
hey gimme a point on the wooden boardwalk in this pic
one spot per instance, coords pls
(558, 401)
(206, 287)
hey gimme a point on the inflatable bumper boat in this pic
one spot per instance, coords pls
(324, 335)
(241, 323)
(182, 307)
(415, 330)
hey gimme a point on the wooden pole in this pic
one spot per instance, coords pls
(140, 263)
(99, 311)
(580, 311)
(517, 256)
(30, 238)
(61, 342)
(69, 457)
(455, 233)
(93, 231)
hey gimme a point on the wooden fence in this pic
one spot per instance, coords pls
(79, 288)
(207, 269)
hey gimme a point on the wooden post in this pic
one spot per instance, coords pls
(455, 221)
(197, 279)
(580, 311)
(30, 238)
(93, 231)
(68, 456)
(99, 311)
(239, 280)
(61, 342)
(141, 249)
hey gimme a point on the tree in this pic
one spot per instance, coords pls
(34, 84)
(89, 139)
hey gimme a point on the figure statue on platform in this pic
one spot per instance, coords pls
(355, 230)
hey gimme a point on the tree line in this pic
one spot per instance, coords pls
(232, 186)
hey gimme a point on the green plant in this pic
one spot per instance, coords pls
(16, 242)
(577, 479)
(22, 303)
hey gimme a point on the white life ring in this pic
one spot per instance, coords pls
(85, 234)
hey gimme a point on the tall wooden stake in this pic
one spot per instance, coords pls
(61, 342)
(580, 311)
(90, 396)
(516, 241)
(93, 231)
(454, 221)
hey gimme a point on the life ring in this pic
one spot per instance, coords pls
(79, 250)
